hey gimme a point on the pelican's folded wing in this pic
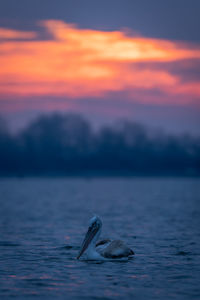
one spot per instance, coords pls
(117, 249)
(103, 242)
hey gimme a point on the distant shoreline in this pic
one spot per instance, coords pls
(67, 145)
(99, 175)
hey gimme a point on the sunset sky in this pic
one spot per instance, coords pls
(111, 59)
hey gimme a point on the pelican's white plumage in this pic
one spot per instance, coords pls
(104, 249)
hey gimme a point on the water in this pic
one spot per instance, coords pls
(42, 223)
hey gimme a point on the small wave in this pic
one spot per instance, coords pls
(8, 244)
(68, 247)
(183, 253)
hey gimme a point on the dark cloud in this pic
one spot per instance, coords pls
(172, 19)
(187, 70)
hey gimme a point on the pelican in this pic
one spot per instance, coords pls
(104, 249)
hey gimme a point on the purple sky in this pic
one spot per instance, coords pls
(106, 60)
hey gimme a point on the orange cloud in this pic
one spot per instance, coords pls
(15, 34)
(80, 63)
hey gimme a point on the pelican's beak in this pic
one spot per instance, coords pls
(92, 230)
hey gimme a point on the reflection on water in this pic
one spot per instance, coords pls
(42, 223)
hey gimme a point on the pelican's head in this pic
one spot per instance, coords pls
(92, 234)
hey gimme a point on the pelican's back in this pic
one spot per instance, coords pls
(117, 249)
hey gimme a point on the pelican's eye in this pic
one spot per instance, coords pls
(95, 224)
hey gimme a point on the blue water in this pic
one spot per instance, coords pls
(43, 220)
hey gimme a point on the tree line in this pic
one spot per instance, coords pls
(68, 145)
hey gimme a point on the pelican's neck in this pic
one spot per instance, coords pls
(91, 251)
(95, 238)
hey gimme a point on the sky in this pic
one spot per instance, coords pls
(104, 59)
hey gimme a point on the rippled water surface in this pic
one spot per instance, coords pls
(42, 223)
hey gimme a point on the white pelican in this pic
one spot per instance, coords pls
(105, 249)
